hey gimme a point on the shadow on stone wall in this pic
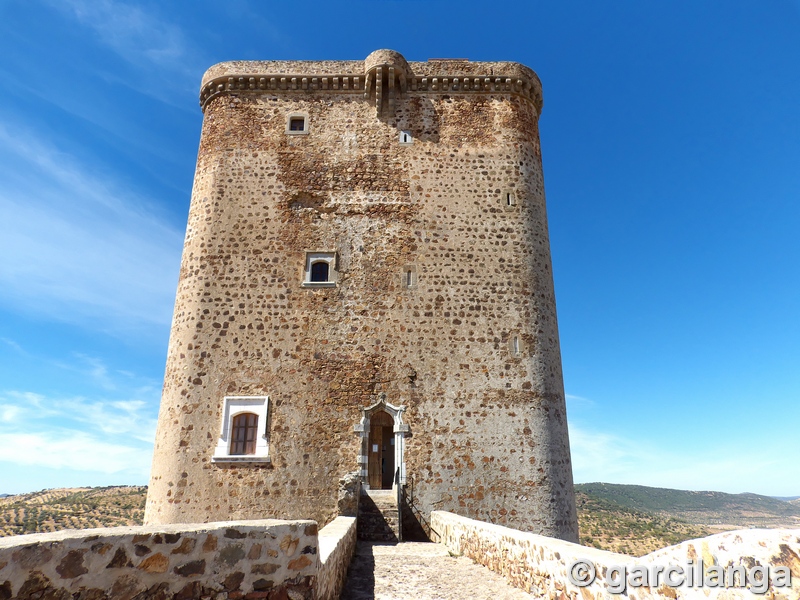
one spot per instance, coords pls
(415, 527)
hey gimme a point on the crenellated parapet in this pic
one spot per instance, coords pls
(382, 78)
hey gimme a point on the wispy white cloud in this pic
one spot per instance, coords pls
(17, 348)
(760, 464)
(154, 56)
(73, 450)
(100, 434)
(98, 371)
(9, 413)
(600, 456)
(141, 38)
(78, 246)
(134, 416)
(24, 405)
(580, 401)
(63, 172)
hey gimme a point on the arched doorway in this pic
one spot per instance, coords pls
(382, 434)
(381, 451)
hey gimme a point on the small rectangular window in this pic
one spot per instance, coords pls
(320, 269)
(405, 138)
(297, 124)
(516, 346)
(408, 276)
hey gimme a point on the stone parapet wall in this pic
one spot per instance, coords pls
(236, 559)
(535, 563)
(353, 76)
(540, 564)
(337, 544)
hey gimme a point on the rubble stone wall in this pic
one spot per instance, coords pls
(337, 544)
(237, 559)
(540, 564)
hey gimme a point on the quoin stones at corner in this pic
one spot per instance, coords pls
(366, 287)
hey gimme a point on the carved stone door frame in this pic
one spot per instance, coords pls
(400, 430)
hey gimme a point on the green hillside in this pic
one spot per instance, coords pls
(608, 526)
(703, 508)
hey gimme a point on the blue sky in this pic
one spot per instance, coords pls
(671, 143)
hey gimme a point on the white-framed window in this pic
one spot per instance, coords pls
(297, 124)
(243, 433)
(406, 139)
(320, 270)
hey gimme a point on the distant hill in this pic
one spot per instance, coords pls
(607, 525)
(717, 510)
(630, 519)
(71, 508)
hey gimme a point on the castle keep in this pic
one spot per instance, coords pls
(366, 286)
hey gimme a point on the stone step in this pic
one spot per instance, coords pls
(379, 525)
(378, 519)
(378, 522)
(384, 501)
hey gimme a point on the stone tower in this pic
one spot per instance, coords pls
(366, 285)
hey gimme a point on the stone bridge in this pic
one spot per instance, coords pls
(292, 560)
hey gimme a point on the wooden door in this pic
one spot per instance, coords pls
(380, 457)
(387, 478)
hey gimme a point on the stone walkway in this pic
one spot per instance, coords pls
(421, 571)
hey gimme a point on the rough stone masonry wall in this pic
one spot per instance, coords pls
(488, 436)
(238, 559)
(539, 564)
(337, 544)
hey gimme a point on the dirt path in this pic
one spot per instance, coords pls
(421, 571)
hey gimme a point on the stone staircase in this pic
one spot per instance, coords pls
(377, 516)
